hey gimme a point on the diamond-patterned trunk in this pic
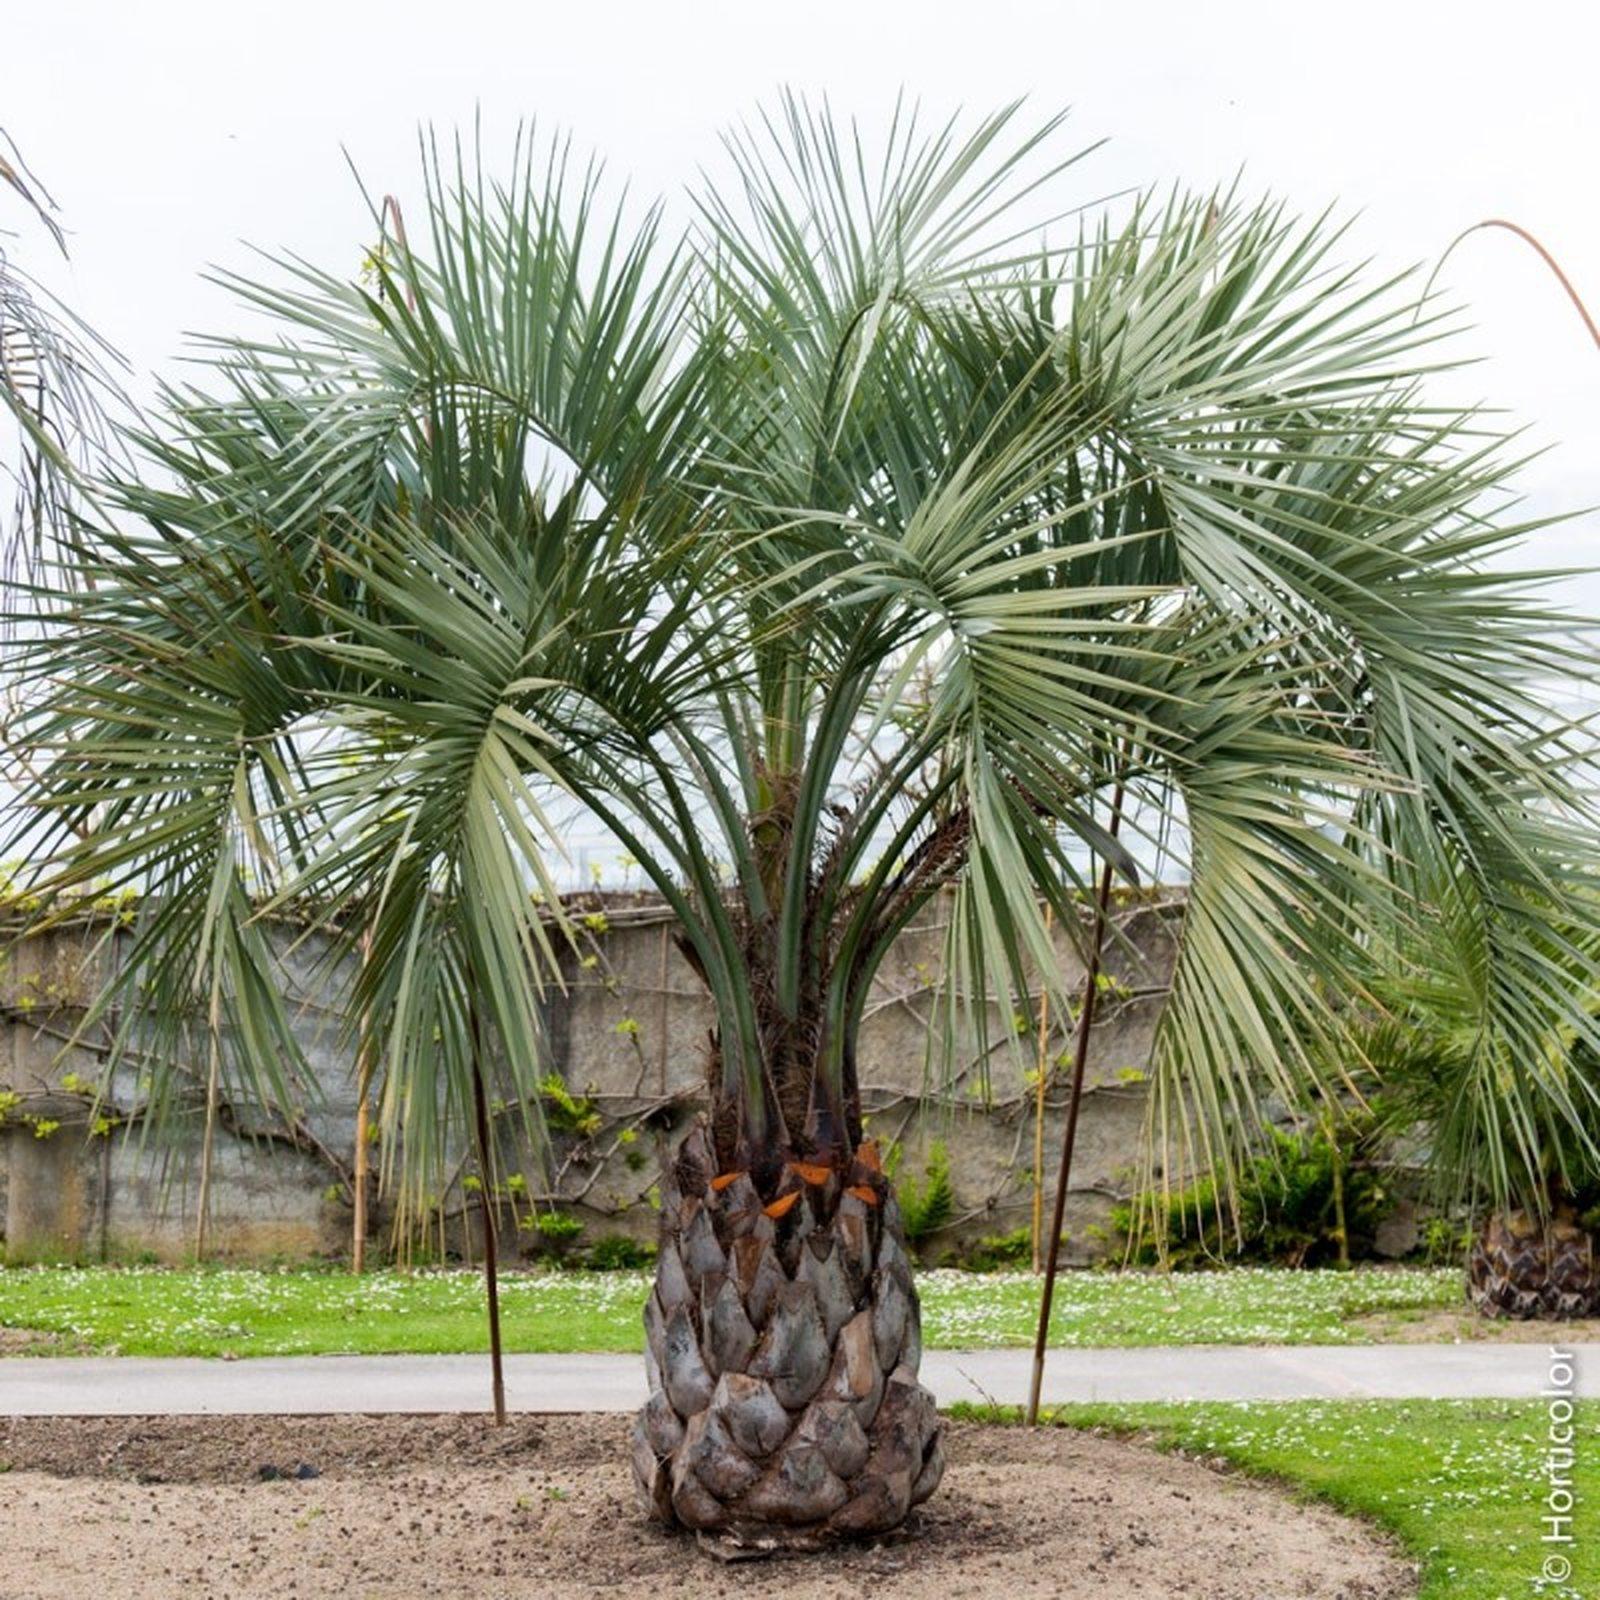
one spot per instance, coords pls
(1522, 1267)
(782, 1346)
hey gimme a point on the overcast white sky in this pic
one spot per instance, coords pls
(171, 132)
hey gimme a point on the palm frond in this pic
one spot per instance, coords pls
(859, 539)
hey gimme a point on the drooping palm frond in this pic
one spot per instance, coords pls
(853, 539)
(57, 386)
(57, 380)
(1474, 1049)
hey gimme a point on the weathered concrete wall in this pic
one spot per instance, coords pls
(629, 1037)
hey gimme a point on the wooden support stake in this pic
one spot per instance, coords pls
(364, 1069)
(358, 1221)
(1038, 1113)
(208, 1143)
(1080, 1055)
(491, 1277)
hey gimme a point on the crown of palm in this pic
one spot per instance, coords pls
(848, 548)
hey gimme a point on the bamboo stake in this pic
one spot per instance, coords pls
(1336, 1158)
(105, 1192)
(1038, 1112)
(661, 1013)
(208, 1143)
(358, 1221)
(1080, 1055)
(364, 1066)
(491, 1277)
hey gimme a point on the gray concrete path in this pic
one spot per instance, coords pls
(126, 1386)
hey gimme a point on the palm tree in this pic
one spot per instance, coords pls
(845, 548)
(57, 379)
(58, 382)
(1500, 1121)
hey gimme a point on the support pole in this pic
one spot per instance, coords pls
(491, 1278)
(358, 1222)
(1330, 1132)
(364, 1067)
(208, 1143)
(661, 1013)
(1080, 1056)
(1040, 1073)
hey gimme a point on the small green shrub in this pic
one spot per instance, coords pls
(565, 1112)
(616, 1252)
(558, 1227)
(1445, 1242)
(998, 1252)
(928, 1205)
(1286, 1210)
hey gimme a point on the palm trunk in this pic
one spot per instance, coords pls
(1523, 1267)
(783, 1341)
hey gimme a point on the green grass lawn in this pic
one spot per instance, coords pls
(155, 1311)
(1459, 1482)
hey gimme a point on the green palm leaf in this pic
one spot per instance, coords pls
(856, 539)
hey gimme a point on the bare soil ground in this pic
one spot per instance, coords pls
(1466, 1326)
(28, 1342)
(449, 1508)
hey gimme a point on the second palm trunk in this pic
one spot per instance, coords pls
(783, 1341)
(1524, 1267)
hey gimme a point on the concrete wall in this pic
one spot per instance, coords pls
(630, 1036)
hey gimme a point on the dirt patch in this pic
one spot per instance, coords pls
(451, 1509)
(1446, 1325)
(28, 1342)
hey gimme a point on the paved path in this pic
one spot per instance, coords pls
(127, 1386)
